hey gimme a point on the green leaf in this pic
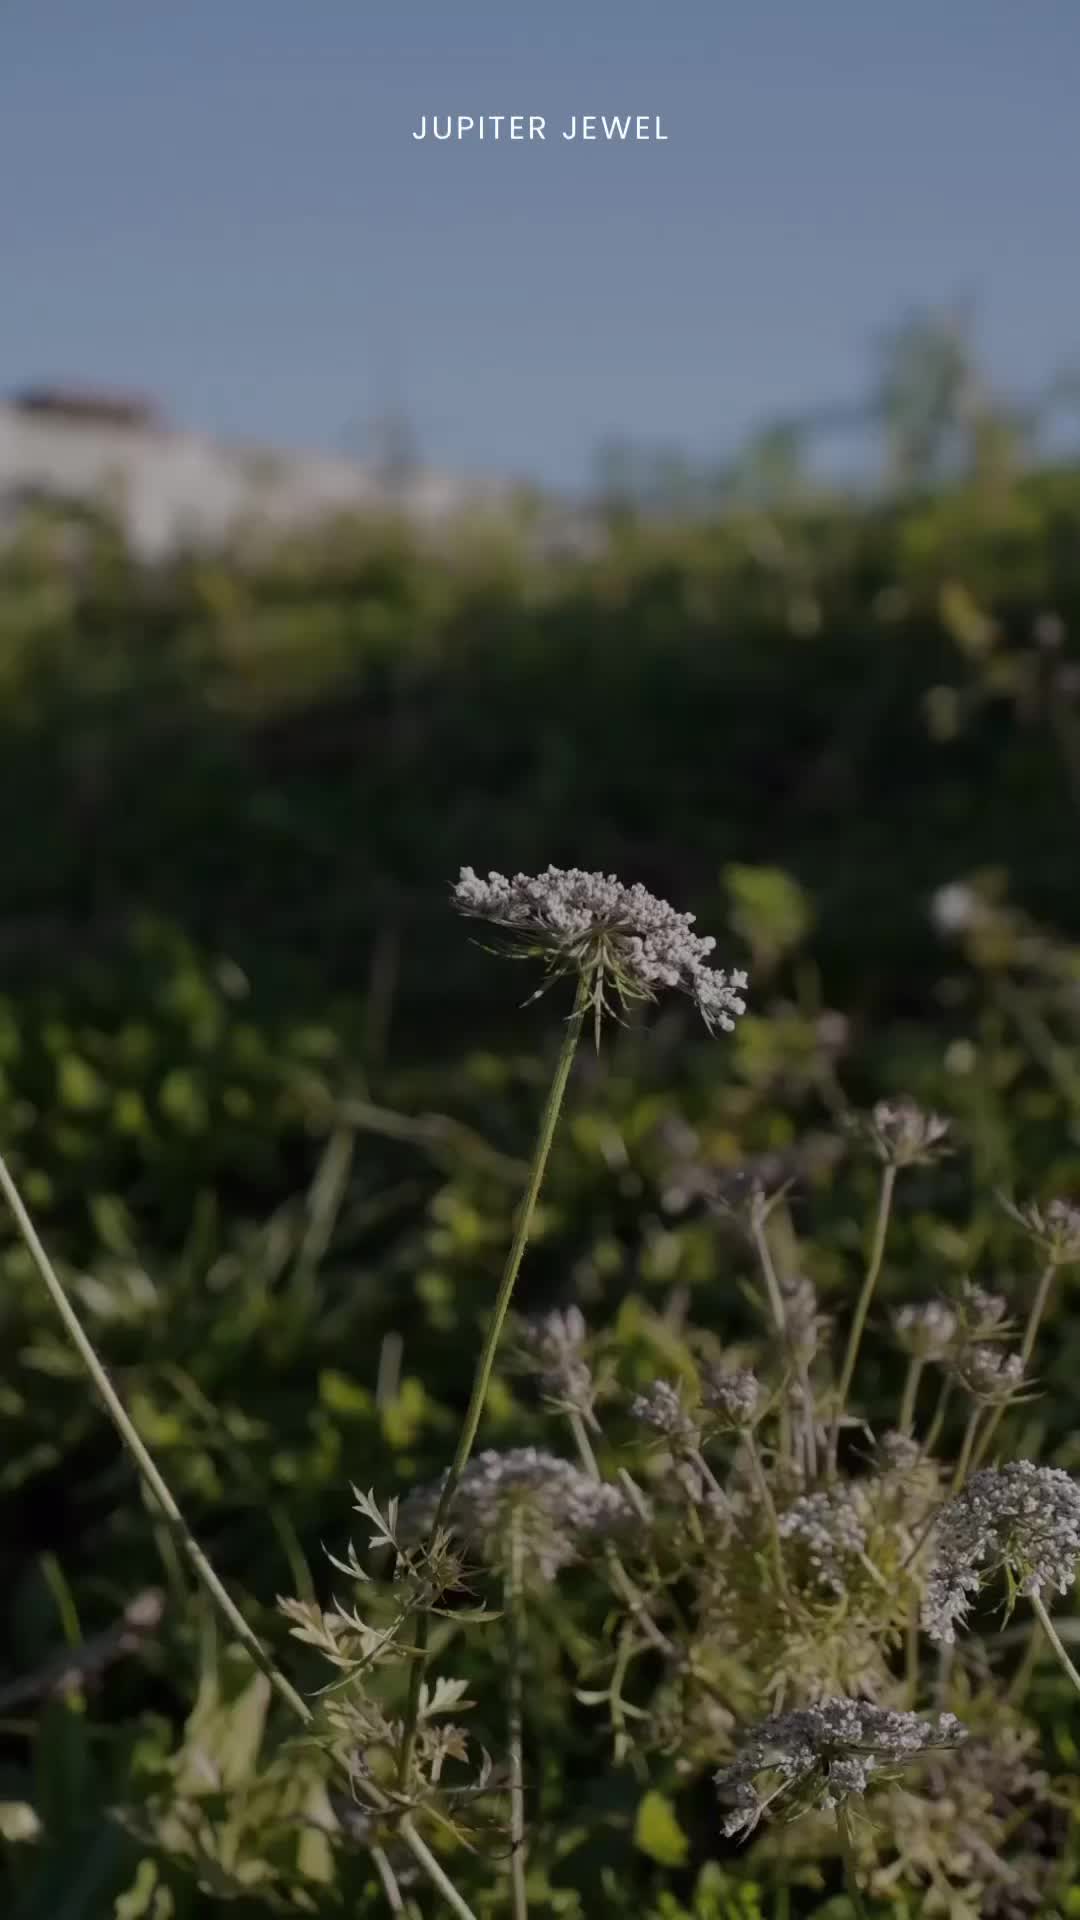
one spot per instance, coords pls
(658, 1833)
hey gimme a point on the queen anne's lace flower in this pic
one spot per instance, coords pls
(903, 1135)
(824, 1754)
(733, 1397)
(632, 942)
(925, 1331)
(662, 1410)
(1055, 1227)
(832, 1527)
(554, 1344)
(1021, 1519)
(556, 1507)
(989, 1375)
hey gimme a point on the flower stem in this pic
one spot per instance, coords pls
(162, 1494)
(964, 1462)
(851, 1871)
(911, 1393)
(862, 1306)
(1027, 1348)
(474, 1413)
(1054, 1638)
(515, 1618)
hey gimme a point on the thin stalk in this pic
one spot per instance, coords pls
(388, 1880)
(161, 1492)
(761, 1481)
(911, 1393)
(851, 1870)
(1027, 1348)
(515, 1611)
(620, 1578)
(776, 1307)
(862, 1306)
(1054, 1638)
(474, 1413)
(964, 1462)
(937, 1424)
(1022, 1678)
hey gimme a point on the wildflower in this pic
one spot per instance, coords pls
(832, 1527)
(824, 1754)
(733, 1397)
(982, 1315)
(903, 1135)
(662, 1410)
(623, 936)
(1055, 1228)
(925, 1331)
(555, 1344)
(988, 1375)
(804, 1323)
(1020, 1519)
(557, 1507)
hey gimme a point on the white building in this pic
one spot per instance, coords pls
(68, 444)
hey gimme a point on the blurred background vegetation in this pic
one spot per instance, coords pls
(269, 1100)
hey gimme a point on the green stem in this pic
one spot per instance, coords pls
(1054, 1638)
(964, 1461)
(937, 1424)
(862, 1306)
(776, 1307)
(474, 1413)
(761, 1481)
(911, 1393)
(515, 1612)
(158, 1487)
(851, 1871)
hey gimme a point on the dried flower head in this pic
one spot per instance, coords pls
(555, 1507)
(554, 1345)
(732, 1397)
(626, 940)
(1055, 1228)
(662, 1409)
(925, 1331)
(1020, 1519)
(988, 1375)
(981, 1315)
(903, 1135)
(822, 1755)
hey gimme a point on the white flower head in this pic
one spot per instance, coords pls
(662, 1409)
(1054, 1227)
(1020, 1519)
(822, 1755)
(626, 940)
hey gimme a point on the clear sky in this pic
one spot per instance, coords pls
(220, 201)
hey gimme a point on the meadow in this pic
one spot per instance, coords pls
(273, 1102)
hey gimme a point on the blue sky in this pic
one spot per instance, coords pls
(221, 202)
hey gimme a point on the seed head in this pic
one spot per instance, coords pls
(556, 1506)
(925, 1331)
(1020, 1519)
(902, 1135)
(662, 1410)
(988, 1375)
(1055, 1228)
(732, 1398)
(825, 1754)
(624, 938)
(554, 1344)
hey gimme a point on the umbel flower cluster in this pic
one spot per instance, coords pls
(555, 1507)
(1021, 1519)
(824, 1754)
(632, 942)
